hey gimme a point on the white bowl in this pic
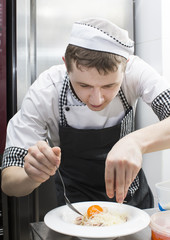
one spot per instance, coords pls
(62, 219)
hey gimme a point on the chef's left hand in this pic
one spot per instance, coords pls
(123, 163)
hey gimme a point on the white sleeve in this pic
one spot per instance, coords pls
(38, 117)
(27, 126)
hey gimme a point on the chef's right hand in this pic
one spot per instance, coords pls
(42, 161)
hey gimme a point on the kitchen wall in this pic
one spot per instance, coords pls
(152, 35)
(52, 41)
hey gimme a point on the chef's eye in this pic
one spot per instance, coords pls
(109, 86)
(84, 85)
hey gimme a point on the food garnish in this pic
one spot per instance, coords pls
(101, 216)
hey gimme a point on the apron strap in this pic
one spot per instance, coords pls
(124, 100)
(63, 100)
(127, 123)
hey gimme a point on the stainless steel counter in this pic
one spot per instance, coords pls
(39, 231)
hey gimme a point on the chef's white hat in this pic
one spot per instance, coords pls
(101, 35)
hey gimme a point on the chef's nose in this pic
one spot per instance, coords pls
(96, 97)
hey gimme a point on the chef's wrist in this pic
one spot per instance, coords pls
(142, 140)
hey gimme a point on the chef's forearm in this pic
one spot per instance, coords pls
(15, 182)
(153, 138)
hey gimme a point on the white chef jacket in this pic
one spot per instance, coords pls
(38, 118)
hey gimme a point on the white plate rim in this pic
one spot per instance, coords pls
(54, 220)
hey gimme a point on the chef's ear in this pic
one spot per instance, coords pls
(64, 61)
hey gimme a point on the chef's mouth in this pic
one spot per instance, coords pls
(96, 106)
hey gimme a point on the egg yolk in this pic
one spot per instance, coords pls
(94, 209)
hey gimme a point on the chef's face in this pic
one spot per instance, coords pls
(95, 89)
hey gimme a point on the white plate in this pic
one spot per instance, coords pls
(62, 219)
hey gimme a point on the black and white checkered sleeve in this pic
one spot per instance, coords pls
(13, 156)
(161, 105)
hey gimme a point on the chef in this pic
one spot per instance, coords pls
(79, 117)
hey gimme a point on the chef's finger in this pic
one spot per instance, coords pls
(35, 155)
(120, 182)
(40, 163)
(35, 174)
(57, 152)
(47, 151)
(128, 180)
(109, 179)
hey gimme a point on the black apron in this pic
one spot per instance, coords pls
(83, 155)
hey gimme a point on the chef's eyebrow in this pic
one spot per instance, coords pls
(107, 85)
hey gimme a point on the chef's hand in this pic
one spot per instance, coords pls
(123, 163)
(42, 161)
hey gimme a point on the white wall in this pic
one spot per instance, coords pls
(152, 35)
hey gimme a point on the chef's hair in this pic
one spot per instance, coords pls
(104, 62)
